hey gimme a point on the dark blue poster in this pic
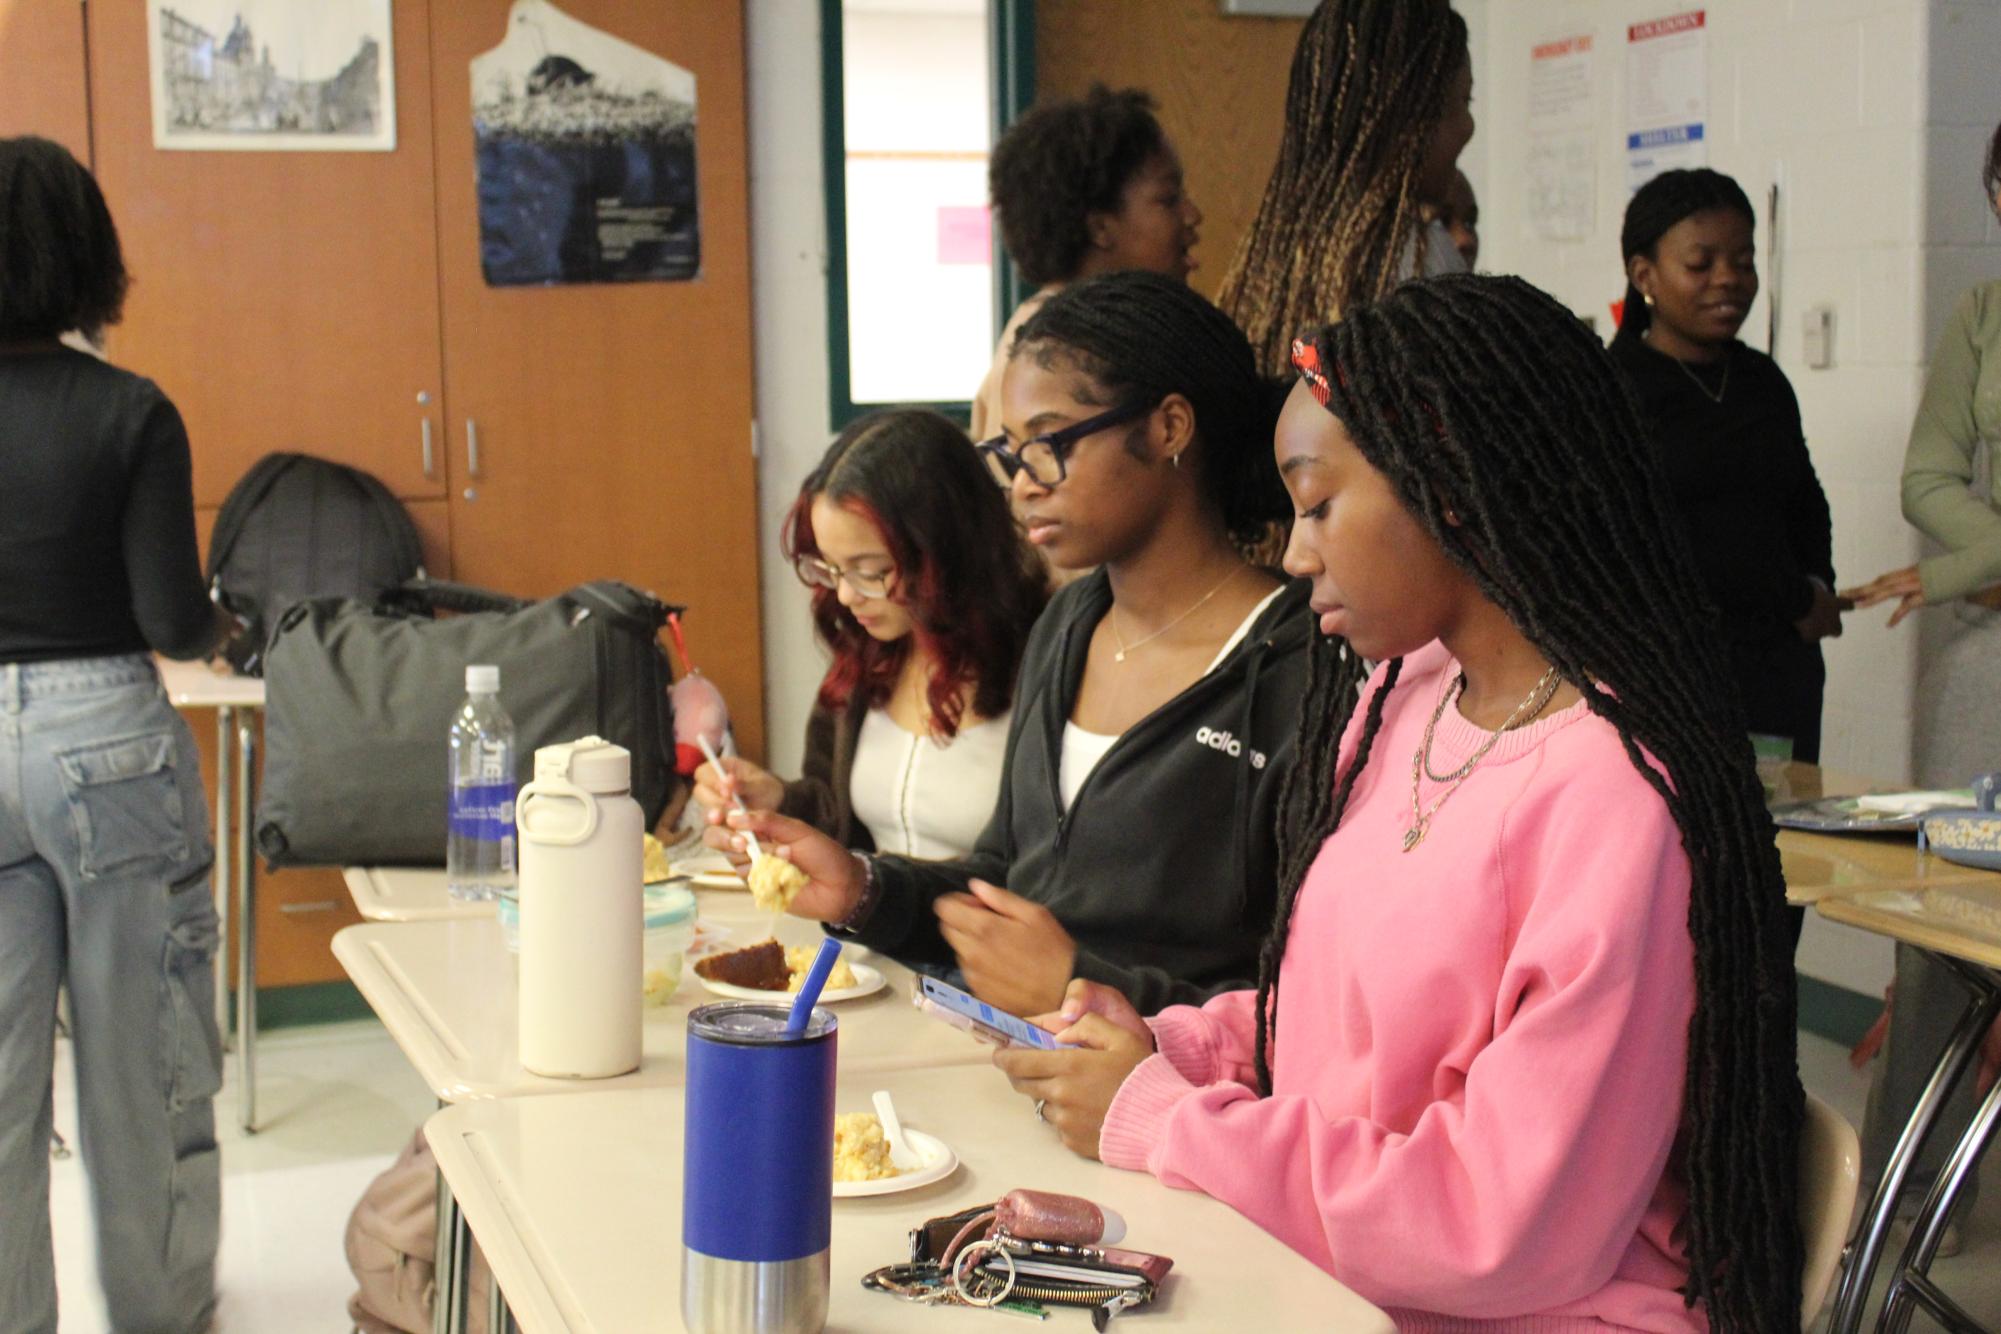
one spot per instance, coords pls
(586, 149)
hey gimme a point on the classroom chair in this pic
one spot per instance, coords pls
(1830, 1176)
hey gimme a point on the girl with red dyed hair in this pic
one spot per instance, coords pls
(923, 592)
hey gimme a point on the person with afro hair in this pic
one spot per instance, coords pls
(1080, 187)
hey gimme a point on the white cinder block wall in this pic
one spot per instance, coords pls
(788, 237)
(1871, 116)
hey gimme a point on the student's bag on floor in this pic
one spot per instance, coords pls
(360, 698)
(297, 527)
(392, 1245)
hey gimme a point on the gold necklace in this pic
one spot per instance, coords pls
(1125, 648)
(1721, 389)
(1535, 702)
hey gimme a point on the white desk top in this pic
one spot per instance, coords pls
(191, 685)
(576, 1203)
(417, 893)
(407, 894)
(447, 992)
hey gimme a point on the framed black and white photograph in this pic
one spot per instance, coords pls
(586, 148)
(272, 75)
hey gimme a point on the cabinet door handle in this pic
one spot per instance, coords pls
(472, 448)
(321, 905)
(430, 456)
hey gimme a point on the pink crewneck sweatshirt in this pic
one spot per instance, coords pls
(1480, 1043)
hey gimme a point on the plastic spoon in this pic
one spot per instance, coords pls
(709, 754)
(809, 990)
(900, 1151)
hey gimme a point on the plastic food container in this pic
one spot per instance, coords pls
(670, 930)
(507, 906)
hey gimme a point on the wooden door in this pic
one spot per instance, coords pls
(283, 300)
(613, 419)
(42, 85)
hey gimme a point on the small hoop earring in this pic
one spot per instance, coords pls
(1175, 459)
(1648, 297)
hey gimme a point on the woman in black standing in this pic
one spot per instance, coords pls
(1728, 429)
(104, 845)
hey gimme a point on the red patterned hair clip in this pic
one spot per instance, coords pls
(1306, 357)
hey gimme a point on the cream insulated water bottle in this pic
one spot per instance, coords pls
(581, 838)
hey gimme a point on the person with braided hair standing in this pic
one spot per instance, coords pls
(1377, 111)
(1522, 1054)
(1726, 426)
(1134, 838)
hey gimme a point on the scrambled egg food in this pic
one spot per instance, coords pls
(774, 883)
(799, 962)
(861, 1153)
(658, 868)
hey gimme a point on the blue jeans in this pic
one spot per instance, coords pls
(104, 889)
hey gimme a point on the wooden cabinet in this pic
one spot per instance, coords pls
(613, 420)
(282, 300)
(333, 302)
(42, 89)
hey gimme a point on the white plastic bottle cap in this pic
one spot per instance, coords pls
(484, 680)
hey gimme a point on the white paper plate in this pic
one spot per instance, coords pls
(868, 981)
(938, 1160)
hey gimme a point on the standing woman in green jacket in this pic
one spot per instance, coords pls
(1949, 495)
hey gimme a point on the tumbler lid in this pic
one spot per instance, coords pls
(756, 1024)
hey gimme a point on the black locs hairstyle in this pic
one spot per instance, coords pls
(1653, 210)
(1140, 337)
(60, 265)
(1367, 92)
(1059, 164)
(1485, 397)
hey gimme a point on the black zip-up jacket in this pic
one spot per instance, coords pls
(1165, 869)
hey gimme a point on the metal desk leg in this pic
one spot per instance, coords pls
(451, 1267)
(1910, 1281)
(225, 887)
(1865, 1252)
(498, 1318)
(246, 924)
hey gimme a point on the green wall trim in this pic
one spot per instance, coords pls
(311, 1003)
(1012, 64)
(1834, 1012)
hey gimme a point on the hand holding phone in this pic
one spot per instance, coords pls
(980, 1019)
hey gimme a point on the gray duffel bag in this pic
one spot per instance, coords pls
(360, 701)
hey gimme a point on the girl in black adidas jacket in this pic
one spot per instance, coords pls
(1155, 715)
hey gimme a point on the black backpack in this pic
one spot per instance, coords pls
(300, 527)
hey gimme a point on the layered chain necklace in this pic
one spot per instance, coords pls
(1125, 648)
(1420, 761)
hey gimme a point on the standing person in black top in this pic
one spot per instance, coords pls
(104, 845)
(1728, 429)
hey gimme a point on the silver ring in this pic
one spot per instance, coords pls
(963, 1274)
(1039, 1104)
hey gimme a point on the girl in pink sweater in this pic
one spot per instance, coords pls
(1536, 1065)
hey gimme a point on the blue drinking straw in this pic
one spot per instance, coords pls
(809, 990)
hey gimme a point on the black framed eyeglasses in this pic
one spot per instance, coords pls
(1045, 456)
(817, 573)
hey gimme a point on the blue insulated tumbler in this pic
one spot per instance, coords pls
(757, 1198)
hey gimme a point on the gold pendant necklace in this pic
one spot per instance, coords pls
(1125, 648)
(1532, 704)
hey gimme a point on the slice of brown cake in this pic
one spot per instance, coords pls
(760, 967)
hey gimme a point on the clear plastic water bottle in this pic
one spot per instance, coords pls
(479, 843)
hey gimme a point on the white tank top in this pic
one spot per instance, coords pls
(1083, 750)
(919, 797)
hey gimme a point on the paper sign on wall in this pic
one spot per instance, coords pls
(1667, 96)
(586, 148)
(1562, 163)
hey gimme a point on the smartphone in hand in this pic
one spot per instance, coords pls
(982, 1020)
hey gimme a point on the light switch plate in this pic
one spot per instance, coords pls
(1818, 351)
